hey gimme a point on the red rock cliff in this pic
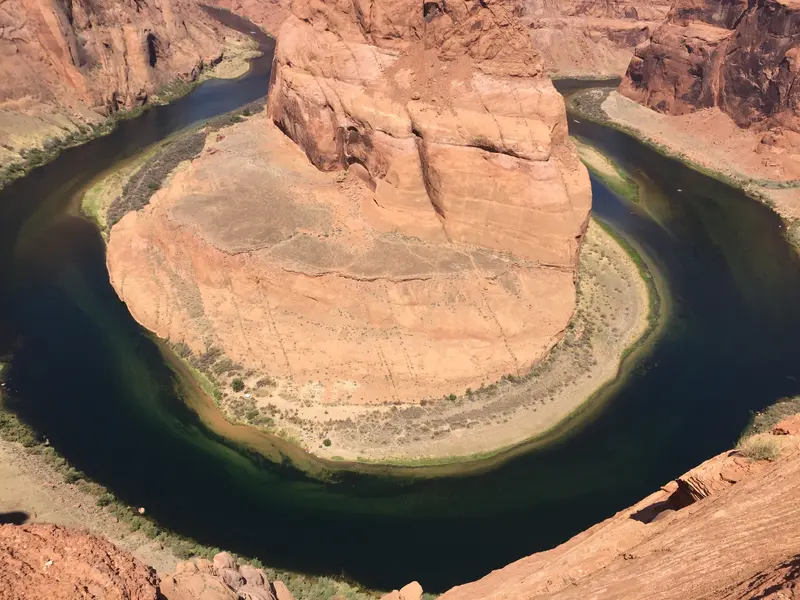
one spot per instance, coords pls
(743, 57)
(587, 37)
(73, 54)
(446, 111)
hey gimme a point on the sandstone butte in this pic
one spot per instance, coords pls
(728, 529)
(738, 56)
(448, 262)
(590, 38)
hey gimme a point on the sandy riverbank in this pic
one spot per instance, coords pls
(707, 140)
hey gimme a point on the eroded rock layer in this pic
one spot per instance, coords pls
(447, 113)
(727, 529)
(104, 55)
(254, 251)
(586, 37)
(743, 57)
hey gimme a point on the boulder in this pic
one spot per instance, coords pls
(231, 577)
(224, 560)
(255, 592)
(195, 586)
(281, 591)
(411, 591)
(253, 576)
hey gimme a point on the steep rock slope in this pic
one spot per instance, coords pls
(75, 58)
(727, 529)
(743, 57)
(586, 37)
(448, 115)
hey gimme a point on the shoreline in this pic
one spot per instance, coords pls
(502, 416)
(607, 107)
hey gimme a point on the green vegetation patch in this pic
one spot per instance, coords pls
(146, 181)
(607, 171)
(763, 421)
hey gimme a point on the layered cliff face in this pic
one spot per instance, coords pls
(77, 59)
(586, 37)
(743, 57)
(727, 529)
(446, 113)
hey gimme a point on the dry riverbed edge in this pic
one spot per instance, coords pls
(706, 141)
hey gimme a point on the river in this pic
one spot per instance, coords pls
(85, 374)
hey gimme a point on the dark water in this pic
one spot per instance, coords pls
(84, 374)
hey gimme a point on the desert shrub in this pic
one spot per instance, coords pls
(763, 421)
(326, 442)
(760, 447)
(143, 184)
(105, 500)
(72, 476)
(237, 384)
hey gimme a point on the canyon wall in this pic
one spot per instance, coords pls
(446, 112)
(405, 225)
(74, 60)
(585, 37)
(727, 529)
(742, 57)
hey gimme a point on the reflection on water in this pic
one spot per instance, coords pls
(88, 377)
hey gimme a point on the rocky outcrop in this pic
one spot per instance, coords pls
(448, 115)
(742, 57)
(48, 561)
(727, 529)
(252, 250)
(445, 259)
(201, 579)
(72, 61)
(586, 37)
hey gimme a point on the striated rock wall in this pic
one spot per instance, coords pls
(727, 529)
(102, 54)
(586, 37)
(743, 57)
(448, 115)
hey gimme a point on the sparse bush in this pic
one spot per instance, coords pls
(760, 447)
(72, 476)
(105, 500)
(326, 442)
(237, 384)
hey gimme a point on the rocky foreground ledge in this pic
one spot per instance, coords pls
(727, 529)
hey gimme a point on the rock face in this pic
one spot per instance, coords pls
(586, 37)
(445, 260)
(254, 251)
(50, 562)
(446, 112)
(741, 57)
(47, 561)
(727, 529)
(105, 55)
